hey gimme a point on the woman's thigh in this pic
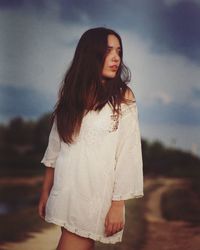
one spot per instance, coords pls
(71, 241)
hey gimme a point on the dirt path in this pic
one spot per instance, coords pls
(165, 235)
(153, 211)
(161, 234)
(45, 240)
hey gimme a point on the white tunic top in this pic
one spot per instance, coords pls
(104, 164)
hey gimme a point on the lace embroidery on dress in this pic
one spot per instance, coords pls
(96, 126)
(123, 111)
(114, 118)
(114, 122)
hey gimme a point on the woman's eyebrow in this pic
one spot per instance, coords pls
(110, 47)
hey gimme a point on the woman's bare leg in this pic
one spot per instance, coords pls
(71, 241)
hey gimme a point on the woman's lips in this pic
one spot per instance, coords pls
(114, 67)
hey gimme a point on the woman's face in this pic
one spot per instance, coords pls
(112, 60)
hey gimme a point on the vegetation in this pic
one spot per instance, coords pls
(165, 161)
(181, 204)
(22, 218)
(22, 144)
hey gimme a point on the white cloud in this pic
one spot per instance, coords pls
(162, 97)
(169, 76)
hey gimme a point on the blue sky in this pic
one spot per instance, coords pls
(161, 41)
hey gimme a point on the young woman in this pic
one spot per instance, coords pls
(93, 158)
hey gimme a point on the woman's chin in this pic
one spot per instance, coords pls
(109, 76)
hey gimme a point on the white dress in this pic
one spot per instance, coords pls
(104, 164)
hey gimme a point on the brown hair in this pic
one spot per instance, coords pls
(82, 89)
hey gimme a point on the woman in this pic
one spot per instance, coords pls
(93, 158)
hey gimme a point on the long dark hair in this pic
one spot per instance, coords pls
(82, 89)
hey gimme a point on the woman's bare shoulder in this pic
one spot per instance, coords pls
(129, 95)
(130, 104)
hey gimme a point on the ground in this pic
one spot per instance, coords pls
(163, 234)
(160, 235)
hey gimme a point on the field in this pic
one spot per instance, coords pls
(150, 221)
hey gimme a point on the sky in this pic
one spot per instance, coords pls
(161, 41)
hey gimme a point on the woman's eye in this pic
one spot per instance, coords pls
(108, 50)
(119, 52)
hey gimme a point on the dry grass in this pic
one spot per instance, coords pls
(23, 217)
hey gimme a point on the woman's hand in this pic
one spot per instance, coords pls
(114, 218)
(42, 204)
(46, 188)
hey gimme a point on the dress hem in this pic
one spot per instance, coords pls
(85, 234)
(127, 196)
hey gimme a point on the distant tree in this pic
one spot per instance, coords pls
(145, 147)
(41, 133)
(19, 132)
(2, 135)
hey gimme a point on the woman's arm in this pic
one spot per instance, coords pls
(53, 147)
(129, 163)
(49, 160)
(48, 180)
(128, 170)
(46, 188)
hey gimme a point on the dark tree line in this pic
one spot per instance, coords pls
(161, 160)
(22, 144)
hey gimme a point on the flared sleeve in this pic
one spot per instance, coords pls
(53, 147)
(129, 164)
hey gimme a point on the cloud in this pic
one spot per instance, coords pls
(38, 41)
(171, 25)
(23, 101)
(15, 4)
(194, 97)
(195, 91)
(166, 87)
(162, 97)
(172, 2)
(171, 114)
(35, 50)
(11, 4)
(169, 77)
(175, 2)
(182, 29)
(43, 48)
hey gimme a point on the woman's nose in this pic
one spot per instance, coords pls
(116, 57)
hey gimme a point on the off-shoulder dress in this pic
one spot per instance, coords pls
(104, 164)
